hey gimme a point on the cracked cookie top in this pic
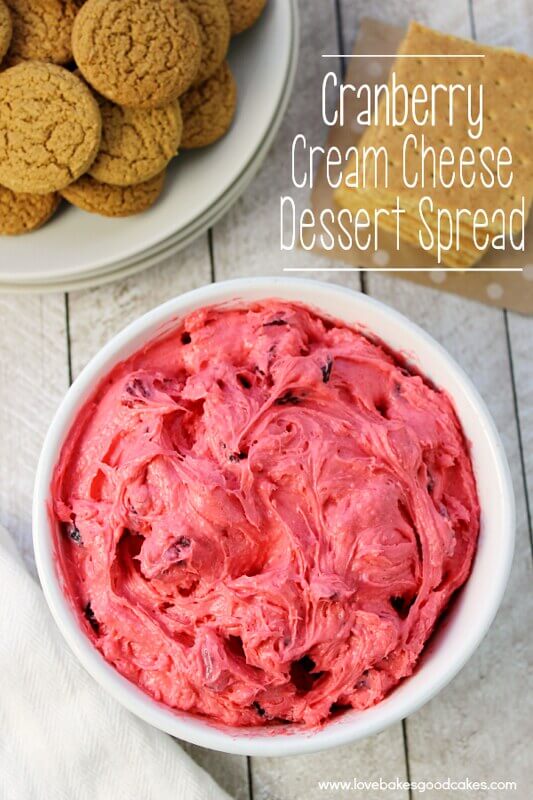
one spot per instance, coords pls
(137, 53)
(50, 128)
(114, 201)
(244, 14)
(6, 29)
(215, 31)
(21, 213)
(208, 109)
(137, 143)
(42, 30)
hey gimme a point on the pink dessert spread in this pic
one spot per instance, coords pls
(262, 515)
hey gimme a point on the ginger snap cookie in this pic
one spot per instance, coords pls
(6, 29)
(244, 13)
(137, 53)
(215, 32)
(137, 143)
(22, 213)
(113, 201)
(50, 128)
(208, 109)
(42, 30)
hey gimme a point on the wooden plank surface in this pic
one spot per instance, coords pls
(247, 240)
(504, 24)
(33, 378)
(515, 28)
(476, 727)
(521, 337)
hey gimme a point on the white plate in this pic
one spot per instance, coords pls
(75, 244)
(173, 244)
(123, 271)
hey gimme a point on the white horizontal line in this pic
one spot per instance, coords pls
(403, 55)
(403, 269)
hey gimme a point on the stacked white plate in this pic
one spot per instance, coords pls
(77, 250)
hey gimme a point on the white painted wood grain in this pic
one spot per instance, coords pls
(33, 378)
(230, 772)
(97, 314)
(297, 778)
(504, 24)
(477, 726)
(247, 240)
(513, 26)
(521, 334)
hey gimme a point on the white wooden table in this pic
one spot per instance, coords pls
(479, 727)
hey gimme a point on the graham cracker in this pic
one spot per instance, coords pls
(512, 290)
(507, 77)
(462, 257)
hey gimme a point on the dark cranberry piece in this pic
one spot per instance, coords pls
(362, 683)
(260, 710)
(307, 663)
(287, 399)
(74, 533)
(183, 541)
(302, 674)
(398, 604)
(89, 615)
(186, 337)
(326, 369)
(243, 380)
(402, 605)
(275, 322)
(338, 708)
(236, 457)
(236, 647)
(137, 388)
(382, 408)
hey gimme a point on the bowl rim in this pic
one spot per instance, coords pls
(193, 729)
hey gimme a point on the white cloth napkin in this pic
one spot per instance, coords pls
(61, 736)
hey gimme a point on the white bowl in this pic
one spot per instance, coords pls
(472, 610)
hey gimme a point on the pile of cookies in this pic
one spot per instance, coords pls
(96, 97)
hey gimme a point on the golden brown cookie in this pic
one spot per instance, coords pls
(208, 109)
(244, 13)
(50, 128)
(42, 30)
(113, 201)
(215, 31)
(22, 213)
(137, 53)
(6, 29)
(137, 143)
